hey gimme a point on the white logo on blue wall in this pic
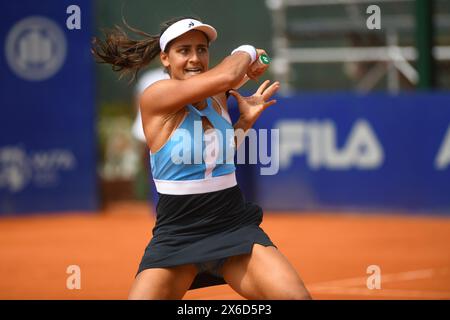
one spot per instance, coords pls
(15, 171)
(35, 48)
(317, 141)
(442, 160)
(41, 168)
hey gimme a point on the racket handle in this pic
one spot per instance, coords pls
(264, 59)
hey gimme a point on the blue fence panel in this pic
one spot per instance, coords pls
(47, 136)
(346, 151)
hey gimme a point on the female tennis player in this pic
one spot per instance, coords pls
(205, 232)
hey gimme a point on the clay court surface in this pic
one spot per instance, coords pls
(330, 251)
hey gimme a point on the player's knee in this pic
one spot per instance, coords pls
(296, 295)
(287, 293)
(295, 292)
(304, 295)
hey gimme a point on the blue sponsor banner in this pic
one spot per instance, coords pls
(47, 137)
(352, 152)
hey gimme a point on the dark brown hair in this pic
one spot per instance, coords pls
(127, 55)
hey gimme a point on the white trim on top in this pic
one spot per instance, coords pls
(180, 187)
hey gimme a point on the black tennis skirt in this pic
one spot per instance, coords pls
(197, 228)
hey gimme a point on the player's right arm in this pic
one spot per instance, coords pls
(169, 96)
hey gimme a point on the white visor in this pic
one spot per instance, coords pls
(183, 26)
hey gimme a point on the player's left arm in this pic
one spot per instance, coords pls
(250, 108)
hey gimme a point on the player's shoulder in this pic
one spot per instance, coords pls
(154, 87)
(149, 78)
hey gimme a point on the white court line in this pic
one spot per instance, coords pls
(385, 278)
(344, 286)
(382, 292)
(356, 292)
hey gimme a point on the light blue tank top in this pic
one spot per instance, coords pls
(194, 161)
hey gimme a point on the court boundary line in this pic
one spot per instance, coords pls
(347, 287)
(382, 292)
(387, 278)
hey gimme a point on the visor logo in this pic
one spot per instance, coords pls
(191, 24)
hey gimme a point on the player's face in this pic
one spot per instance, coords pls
(188, 55)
